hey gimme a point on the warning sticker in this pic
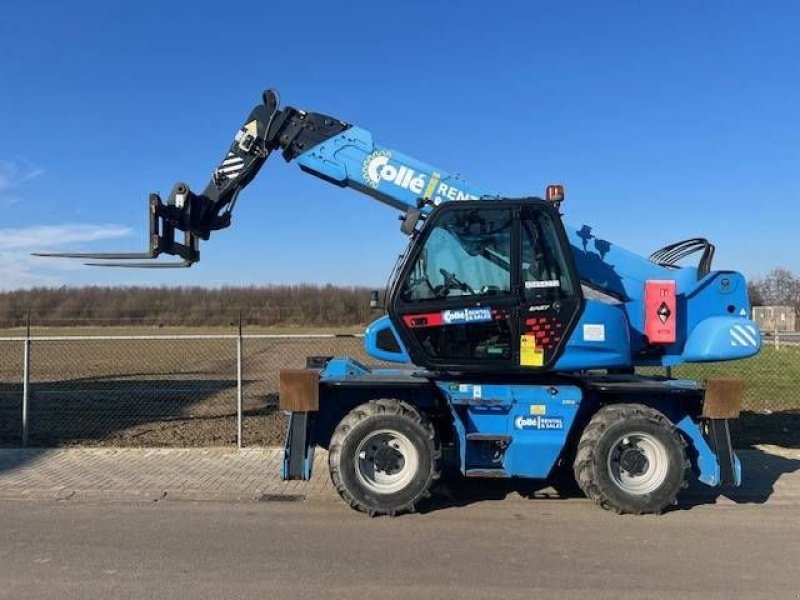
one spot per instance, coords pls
(594, 333)
(529, 354)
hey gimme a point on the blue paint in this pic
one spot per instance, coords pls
(722, 338)
(353, 159)
(613, 351)
(341, 368)
(704, 461)
(537, 420)
(371, 342)
(498, 409)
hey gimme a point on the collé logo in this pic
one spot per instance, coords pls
(539, 422)
(378, 166)
(466, 315)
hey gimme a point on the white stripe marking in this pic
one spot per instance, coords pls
(233, 169)
(751, 329)
(232, 161)
(750, 338)
(738, 338)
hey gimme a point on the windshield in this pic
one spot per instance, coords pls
(466, 254)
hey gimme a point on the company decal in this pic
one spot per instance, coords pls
(466, 315)
(378, 167)
(548, 283)
(538, 409)
(539, 422)
(539, 307)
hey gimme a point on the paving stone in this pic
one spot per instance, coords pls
(771, 474)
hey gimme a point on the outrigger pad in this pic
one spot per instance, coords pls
(723, 398)
(299, 390)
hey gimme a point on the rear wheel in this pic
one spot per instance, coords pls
(631, 459)
(384, 457)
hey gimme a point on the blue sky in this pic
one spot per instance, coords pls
(663, 120)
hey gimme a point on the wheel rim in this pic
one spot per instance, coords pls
(638, 463)
(386, 461)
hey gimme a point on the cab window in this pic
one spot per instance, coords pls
(545, 274)
(466, 255)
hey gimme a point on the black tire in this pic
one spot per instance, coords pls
(364, 424)
(618, 436)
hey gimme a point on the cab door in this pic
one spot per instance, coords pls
(455, 301)
(551, 297)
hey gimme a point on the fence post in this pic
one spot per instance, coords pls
(239, 385)
(26, 381)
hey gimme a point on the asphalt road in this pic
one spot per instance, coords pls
(491, 549)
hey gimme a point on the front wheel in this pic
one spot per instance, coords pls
(631, 459)
(384, 457)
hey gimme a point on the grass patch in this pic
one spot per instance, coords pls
(772, 377)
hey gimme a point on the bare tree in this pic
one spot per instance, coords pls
(756, 299)
(779, 287)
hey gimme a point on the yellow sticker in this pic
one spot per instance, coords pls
(251, 128)
(431, 185)
(529, 354)
(538, 409)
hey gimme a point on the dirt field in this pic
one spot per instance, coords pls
(182, 392)
(153, 392)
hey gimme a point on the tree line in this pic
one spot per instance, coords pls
(187, 306)
(273, 305)
(779, 287)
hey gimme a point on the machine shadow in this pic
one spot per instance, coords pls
(453, 491)
(752, 432)
(761, 470)
(776, 428)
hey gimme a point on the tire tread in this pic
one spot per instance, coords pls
(586, 458)
(380, 407)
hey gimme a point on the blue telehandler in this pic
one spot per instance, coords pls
(515, 337)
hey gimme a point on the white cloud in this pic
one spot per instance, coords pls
(19, 269)
(52, 236)
(13, 175)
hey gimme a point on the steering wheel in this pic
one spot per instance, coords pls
(451, 282)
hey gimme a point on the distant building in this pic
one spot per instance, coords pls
(775, 318)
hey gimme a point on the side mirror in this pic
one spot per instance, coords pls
(374, 299)
(409, 221)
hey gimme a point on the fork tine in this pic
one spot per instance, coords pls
(98, 255)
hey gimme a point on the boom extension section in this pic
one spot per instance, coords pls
(266, 129)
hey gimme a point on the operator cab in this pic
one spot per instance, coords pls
(487, 286)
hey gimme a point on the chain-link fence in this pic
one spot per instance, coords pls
(153, 390)
(222, 388)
